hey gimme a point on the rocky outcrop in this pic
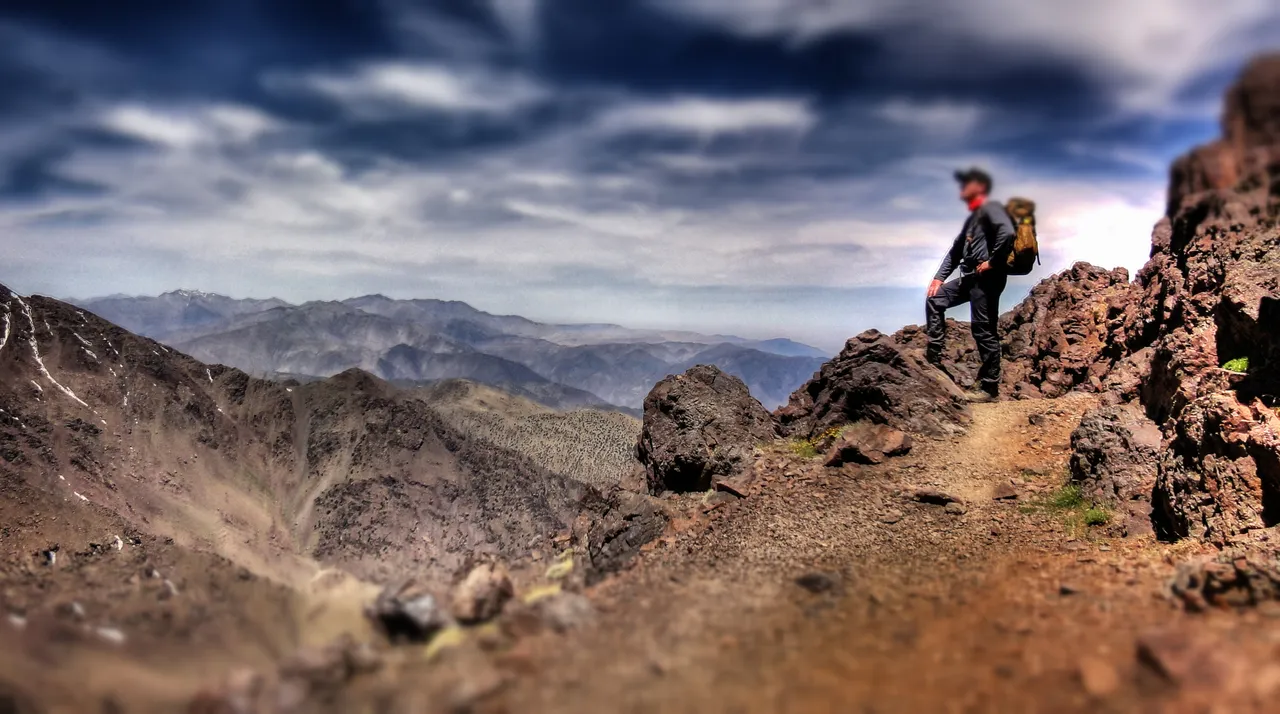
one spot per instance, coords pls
(1235, 578)
(1115, 454)
(1059, 339)
(1209, 295)
(698, 427)
(879, 380)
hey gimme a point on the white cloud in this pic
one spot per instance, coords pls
(377, 87)
(634, 224)
(939, 118)
(148, 125)
(545, 179)
(705, 116)
(184, 128)
(695, 164)
(1146, 51)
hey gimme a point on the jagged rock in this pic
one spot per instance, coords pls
(876, 380)
(406, 611)
(698, 426)
(481, 595)
(1209, 295)
(1115, 455)
(1237, 578)
(865, 443)
(628, 521)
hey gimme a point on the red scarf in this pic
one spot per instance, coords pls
(976, 203)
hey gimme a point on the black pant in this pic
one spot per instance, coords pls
(983, 295)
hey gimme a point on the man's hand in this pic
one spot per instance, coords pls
(984, 266)
(934, 286)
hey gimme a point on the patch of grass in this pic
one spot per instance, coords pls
(1239, 364)
(1096, 516)
(1070, 504)
(804, 448)
(1068, 498)
(812, 448)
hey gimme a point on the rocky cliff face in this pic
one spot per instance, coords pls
(1209, 295)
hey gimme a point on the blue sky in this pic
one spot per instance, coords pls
(765, 167)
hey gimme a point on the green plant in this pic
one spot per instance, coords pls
(813, 448)
(1068, 498)
(1069, 504)
(1096, 516)
(804, 448)
(1239, 364)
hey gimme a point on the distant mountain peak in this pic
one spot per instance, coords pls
(192, 294)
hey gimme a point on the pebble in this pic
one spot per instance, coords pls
(816, 582)
(111, 634)
(1098, 677)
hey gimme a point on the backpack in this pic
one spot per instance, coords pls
(1026, 249)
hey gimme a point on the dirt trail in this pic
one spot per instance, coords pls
(917, 608)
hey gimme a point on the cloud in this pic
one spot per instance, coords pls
(1144, 52)
(933, 118)
(635, 224)
(190, 127)
(703, 116)
(377, 88)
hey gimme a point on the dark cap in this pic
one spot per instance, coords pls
(974, 174)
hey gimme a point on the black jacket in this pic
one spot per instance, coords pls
(987, 235)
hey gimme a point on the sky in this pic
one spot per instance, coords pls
(761, 167)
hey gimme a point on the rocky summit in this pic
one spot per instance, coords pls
(180, 536)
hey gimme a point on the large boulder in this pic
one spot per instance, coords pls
(1115, 453)
(875, 379)
(700, 426)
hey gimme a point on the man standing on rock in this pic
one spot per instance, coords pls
(980, 252)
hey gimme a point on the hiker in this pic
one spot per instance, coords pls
(981, 253)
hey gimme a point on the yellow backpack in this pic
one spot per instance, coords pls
(1026, 249)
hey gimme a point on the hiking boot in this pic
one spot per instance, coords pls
(936, 360)
(979, 395)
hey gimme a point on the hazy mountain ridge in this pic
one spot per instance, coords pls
(422, 341)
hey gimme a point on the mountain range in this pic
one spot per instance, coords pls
(415, 342)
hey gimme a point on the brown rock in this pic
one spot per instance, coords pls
(878, 381)
(481, 595)
(1004, 492)
(1115, 456)
(1236, 578)
(699, 426)
(865, 443)
(932, 496)
(1098, 677)
(407, 611)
